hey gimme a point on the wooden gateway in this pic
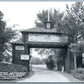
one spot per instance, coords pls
(47, 37)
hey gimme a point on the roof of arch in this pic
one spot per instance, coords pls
(42, 31)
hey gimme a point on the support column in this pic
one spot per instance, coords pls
(29, 59)
(26, 48)
(67, 61)
(27, 52)
(13, 53)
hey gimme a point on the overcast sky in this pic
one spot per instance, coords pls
(24, 13)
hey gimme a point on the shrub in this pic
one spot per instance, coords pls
(12, 71)
(50, 63)
(78, 73)
(4, 67)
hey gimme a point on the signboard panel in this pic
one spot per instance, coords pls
(47, 38)
(24, 57)
(19, 47)
(83, 55)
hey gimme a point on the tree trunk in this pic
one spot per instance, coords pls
(75, 41)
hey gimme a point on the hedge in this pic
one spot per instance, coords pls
(78, 73)
(4, 67)
(12, 71)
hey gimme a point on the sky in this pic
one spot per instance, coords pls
(24, 13)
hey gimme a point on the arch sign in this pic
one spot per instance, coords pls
(47, 38)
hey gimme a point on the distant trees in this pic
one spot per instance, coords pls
(36, 60)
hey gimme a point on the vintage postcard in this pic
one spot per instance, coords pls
(41, 41)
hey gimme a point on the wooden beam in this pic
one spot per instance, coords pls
(67, 62)
(13, 53)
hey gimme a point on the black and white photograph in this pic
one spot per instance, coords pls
(41, 41)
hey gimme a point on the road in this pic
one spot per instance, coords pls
(41, 74)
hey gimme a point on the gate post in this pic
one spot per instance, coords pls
(26, 48)
(29, 58)
(67, 61)
(13, 53)
(27, 51)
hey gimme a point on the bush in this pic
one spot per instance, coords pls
(12, 71)
(4, 67)
(78, 73)
(50, 63)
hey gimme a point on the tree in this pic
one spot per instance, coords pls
(6, 34)
(73, 25)
(54, 16)
(75, 48)
(73, 22)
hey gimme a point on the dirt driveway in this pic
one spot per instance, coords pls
(41, 74)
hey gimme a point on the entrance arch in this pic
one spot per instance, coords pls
(38, 38)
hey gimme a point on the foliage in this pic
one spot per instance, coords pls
(6, 34)
(50, 63)
(75, 47)
(78, 73)
(73, 23)
(4, 67)
(73, 26)
(54, 15)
